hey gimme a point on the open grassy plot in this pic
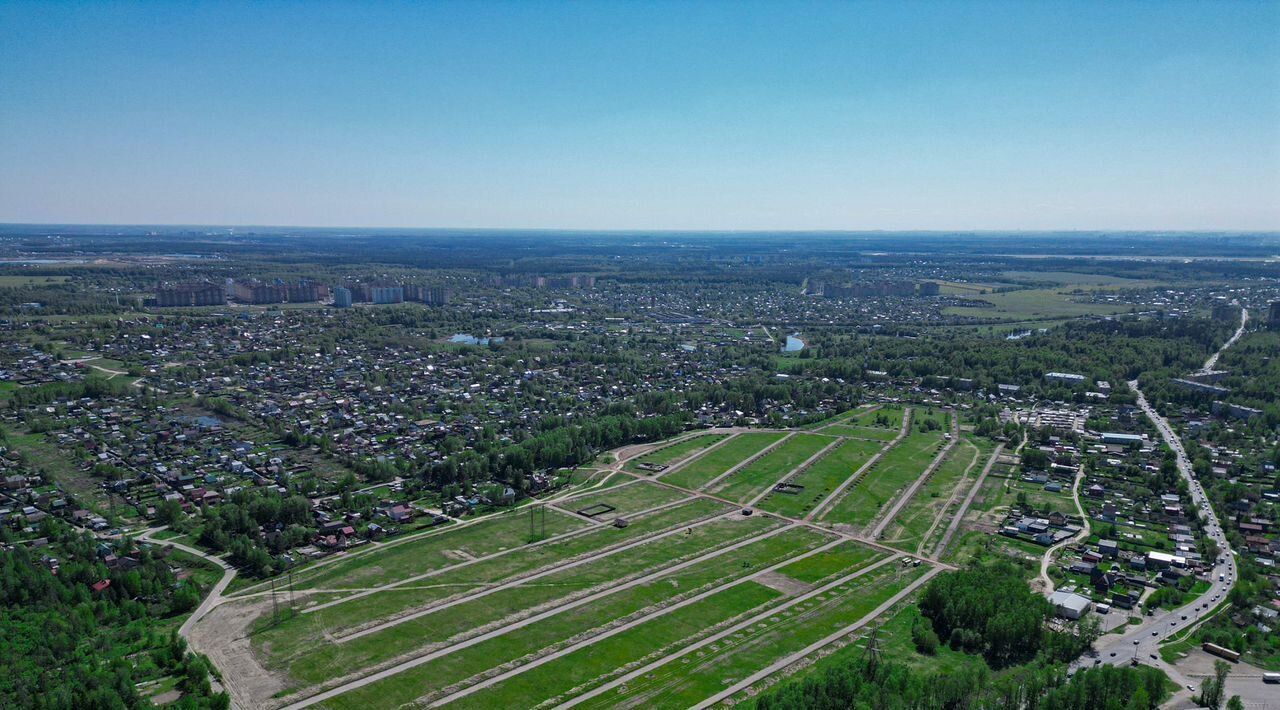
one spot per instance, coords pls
(624, 501)
(533, 641)
(1071, 298)
(820, 479)
(886, 417)
(314, 627)
(750, 481)
(689, 680)
(705, 468)
(20, 280)
(861, 432)
(1076, 278)
(896, 469)
(919, 417)
(47, 456)
(589, 667)
(844, 558)
(916, 518)
(672, 453)
(311, 664)
(1002, 493)
(433, 551)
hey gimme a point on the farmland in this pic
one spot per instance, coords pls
(563, 600)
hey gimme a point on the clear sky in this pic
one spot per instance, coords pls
(650, 115)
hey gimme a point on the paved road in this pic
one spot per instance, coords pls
(1142, 641)
(1213, 359)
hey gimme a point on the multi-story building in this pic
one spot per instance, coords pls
(342, 297)
(256, 292)
(191, 294)
(387, 294)
(1226, 312)
(306, 292)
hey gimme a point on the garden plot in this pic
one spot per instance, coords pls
(714, 463)
(660, 459)
(603, 632)
(494, 607)
(815, 483)
(894, 471)
(760, 475)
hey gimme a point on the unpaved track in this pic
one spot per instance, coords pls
(729, 631)
(942, 512)
(820, 509)
(467, 643)
(547, 658)
(555, 569)
(1046, 584)
(709, 485)
(800, 467)
(401, 583)
(783, 663)
(968, 501)
(892, 513)
(609, 471)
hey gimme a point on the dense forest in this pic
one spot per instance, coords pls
(864, 684)
(66, 644)
(987, 610)
(1114, 350)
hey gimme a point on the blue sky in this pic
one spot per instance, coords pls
(654, 115)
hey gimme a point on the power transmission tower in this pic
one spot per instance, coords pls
(871, 654)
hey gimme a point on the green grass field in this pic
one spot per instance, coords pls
(673, 453)
(750, 481)
(18, 281)
(706, 467)
(861, 432)
(590, 667)
(896, 469)
(312, 664)
(820, 479)
(626, 500)
(1036, 303)
(679, 684)
(312, 627)
(842, 559)
(886, 417)
(450, 545)
(589, 621)
(1003, 493)
(914, 521)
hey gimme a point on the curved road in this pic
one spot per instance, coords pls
(1142, 642)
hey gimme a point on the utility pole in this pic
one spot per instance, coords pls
(275, 609)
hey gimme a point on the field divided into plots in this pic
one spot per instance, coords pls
(673, 453)
(759, 476)
(917, 517)
(818, 481)
(900, 465)
(707, 467)
(696, 593)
